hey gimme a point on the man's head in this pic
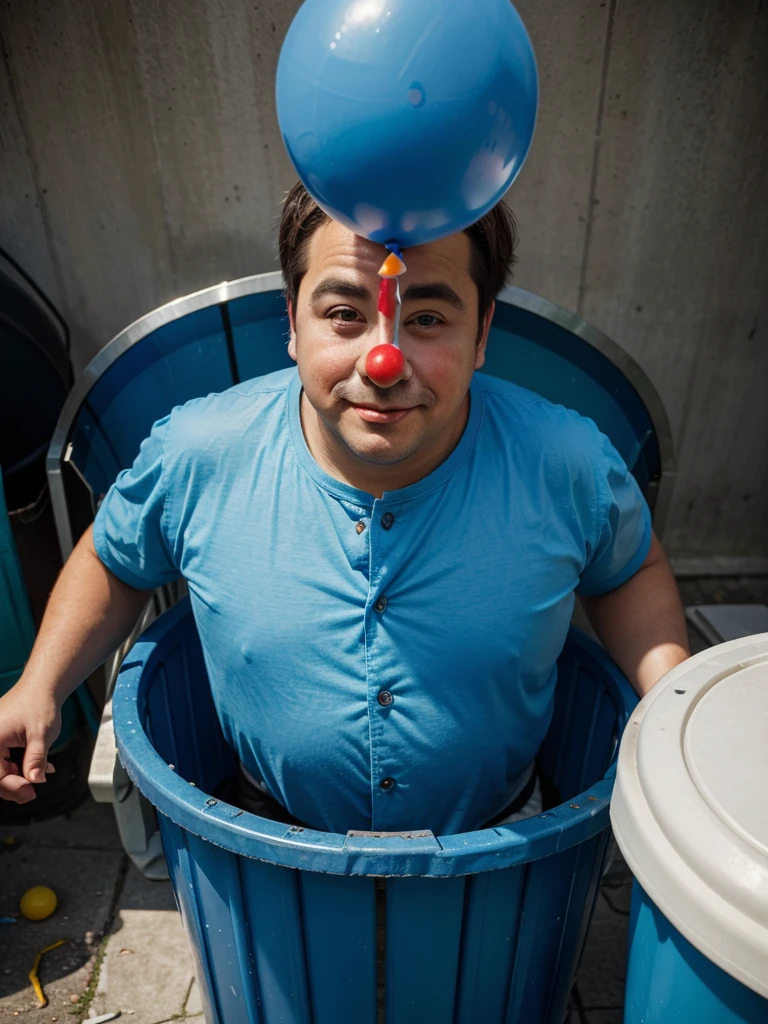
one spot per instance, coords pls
(448, 292)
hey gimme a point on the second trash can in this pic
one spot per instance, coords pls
(690, 814)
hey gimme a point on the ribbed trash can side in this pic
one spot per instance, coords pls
(280, 944)
(280, 936)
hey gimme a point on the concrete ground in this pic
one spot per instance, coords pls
(126, 949)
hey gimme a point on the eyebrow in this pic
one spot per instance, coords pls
(338, 286)
(440, 290)
(434, 290)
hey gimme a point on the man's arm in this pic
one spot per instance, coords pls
(641, 624)
(89, 614)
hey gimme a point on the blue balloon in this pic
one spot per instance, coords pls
(407, 120)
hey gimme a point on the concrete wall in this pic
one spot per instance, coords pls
(140, 160)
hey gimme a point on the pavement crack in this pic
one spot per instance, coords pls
(186, 997)
(177, 1017)
(84, 1003)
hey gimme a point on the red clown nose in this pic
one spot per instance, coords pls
(385, 364)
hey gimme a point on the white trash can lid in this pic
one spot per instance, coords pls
(690, 805)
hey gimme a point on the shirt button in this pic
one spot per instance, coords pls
(360, 526)
(385, 698)
(381, 604)
(387, 784)
(387, 519)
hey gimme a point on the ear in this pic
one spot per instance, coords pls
(481, 345)
(292, 323)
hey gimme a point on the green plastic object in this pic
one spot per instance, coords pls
(17, 628)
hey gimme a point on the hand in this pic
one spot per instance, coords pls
(29, 718)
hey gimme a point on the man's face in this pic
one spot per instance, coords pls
(336, 323)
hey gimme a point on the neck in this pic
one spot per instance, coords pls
(336, 459)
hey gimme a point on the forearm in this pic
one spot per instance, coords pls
(642, 624)
(89, 614)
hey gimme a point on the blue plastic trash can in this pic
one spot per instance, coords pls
(480, 928)
(690, 815)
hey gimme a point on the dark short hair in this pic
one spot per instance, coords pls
(493, 239)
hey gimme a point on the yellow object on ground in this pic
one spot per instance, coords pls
(38, 903)
(41, 997)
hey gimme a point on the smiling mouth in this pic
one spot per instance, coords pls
(370, 414)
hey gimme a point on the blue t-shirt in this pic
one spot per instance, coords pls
(313, 599)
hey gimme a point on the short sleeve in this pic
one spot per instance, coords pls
(623, 529)
(128, 530)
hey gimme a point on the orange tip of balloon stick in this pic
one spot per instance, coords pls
(392, 266)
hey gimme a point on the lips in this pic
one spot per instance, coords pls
(370, 414)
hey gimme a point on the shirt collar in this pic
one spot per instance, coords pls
(346, 492)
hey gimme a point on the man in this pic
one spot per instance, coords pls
(382, 577)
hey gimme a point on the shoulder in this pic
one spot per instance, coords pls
(554, 430)
(204, 432)
(215, 420)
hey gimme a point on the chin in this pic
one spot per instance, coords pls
(380, 450)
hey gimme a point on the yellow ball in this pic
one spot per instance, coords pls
(38, 903)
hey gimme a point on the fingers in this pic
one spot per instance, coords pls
(13, 785)
(18, 784)
(17, 789)
(7, 766)
(35, 760)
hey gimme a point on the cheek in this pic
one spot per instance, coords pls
(323, 361)
(444, 369)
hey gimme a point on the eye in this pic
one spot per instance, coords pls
(422, 320)
(344, 315)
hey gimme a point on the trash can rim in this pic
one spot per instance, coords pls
(247, 835)
(228, 291)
